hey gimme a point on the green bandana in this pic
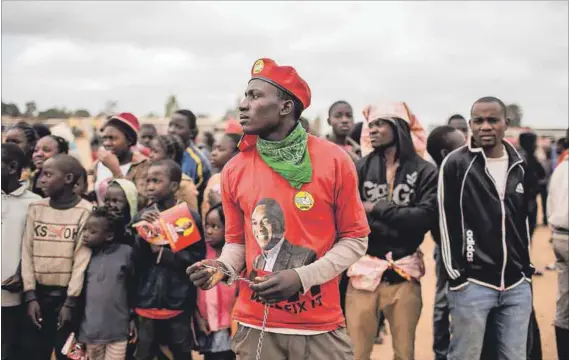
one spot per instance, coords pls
(289, 157)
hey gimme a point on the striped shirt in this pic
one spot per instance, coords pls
(197, 167)
(52, 251)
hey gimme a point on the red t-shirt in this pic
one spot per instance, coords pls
(258, 203)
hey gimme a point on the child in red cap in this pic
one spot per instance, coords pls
(116, 159)
(292, 224)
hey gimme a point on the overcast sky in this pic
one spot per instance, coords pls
(437, 56)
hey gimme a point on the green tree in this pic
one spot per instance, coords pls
(82, 113)
(53, 113)
(10, 109)
(515, 113)
(31, 109)
(171, 106)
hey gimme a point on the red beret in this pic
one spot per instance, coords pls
(283, 77)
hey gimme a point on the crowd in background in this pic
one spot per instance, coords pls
(70, 268)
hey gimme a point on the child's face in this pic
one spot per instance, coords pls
(222, 152)
(80, 186)
(9, 168)
(146, 135)
(115, 199)
(158, 184)
(17, 136)
(45, 149)
(214, 230)
(115, 141)
(156, 150)
(52, 179)
(96, 232)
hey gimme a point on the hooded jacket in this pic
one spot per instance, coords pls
(399, 220)
(484, 234)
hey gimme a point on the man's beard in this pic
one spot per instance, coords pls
(381, 148)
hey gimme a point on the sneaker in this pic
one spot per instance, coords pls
(550, 267)
(538, 273)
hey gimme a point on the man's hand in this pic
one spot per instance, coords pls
(110, 160)
(368, 206)
(206, 278)
(34, 313)
(132, 333)
(64, 317)
(277, 286)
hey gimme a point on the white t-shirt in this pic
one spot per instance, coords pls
(498, 168)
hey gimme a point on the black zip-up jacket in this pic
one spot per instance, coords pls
(484, 236)
(399, 221)
(165, 285)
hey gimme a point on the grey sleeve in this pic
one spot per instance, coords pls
(343, 254)
(233, 257)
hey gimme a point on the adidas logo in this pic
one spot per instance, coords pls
(520, 188)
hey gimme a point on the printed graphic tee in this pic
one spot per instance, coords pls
(286, 228)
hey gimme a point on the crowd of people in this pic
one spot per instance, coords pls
(307, 245)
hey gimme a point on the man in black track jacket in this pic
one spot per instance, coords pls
(398, 189)
(483, 213)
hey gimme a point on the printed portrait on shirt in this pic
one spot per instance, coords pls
(277, 253)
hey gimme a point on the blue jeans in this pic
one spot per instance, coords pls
(441, 313)
(469, 309)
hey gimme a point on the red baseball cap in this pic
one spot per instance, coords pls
(126, 121)
(284, 77)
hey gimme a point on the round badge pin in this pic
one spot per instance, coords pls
(303, 201)
(258, 67)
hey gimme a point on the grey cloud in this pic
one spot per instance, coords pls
(437, 56)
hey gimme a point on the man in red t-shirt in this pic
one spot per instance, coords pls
(293, 225)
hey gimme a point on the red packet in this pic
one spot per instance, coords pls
(151, 232)
(179, 227)
(261, 272)
(72, 349)
(176, 226)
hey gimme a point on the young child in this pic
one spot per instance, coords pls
(145, 135)
(194, 163)
(165, 300)
(25, 137)
(172, 147)
(109, 282)
(46, 148)
(15, 202)
(213, 315)
(223, 151)
(81, 186)
(53, 257)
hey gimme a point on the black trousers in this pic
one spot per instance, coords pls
(13, 318)
(174, 333)
(42, 342)
(224, 355)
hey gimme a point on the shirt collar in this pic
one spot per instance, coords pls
(19, 191)
(275, 250)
